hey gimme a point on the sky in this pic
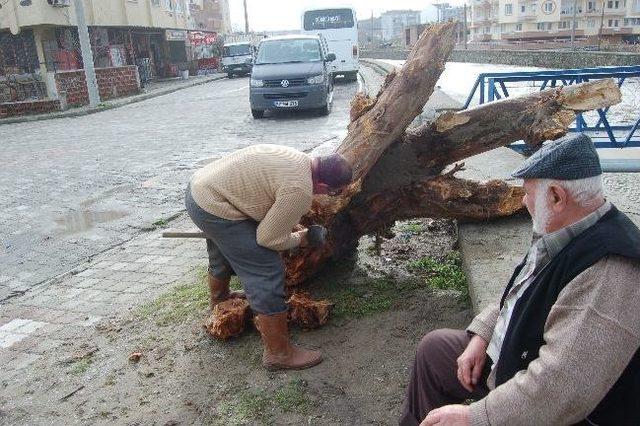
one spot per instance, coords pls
(273, 15)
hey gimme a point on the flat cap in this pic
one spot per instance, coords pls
(569, 158)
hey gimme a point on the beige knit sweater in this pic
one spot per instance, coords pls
(270, 184)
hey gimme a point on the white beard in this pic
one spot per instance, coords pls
(542, 212)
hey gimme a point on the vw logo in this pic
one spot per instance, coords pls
(284, 83)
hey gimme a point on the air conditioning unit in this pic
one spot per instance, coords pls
(59, 3)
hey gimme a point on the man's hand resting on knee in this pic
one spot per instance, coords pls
(471, 362)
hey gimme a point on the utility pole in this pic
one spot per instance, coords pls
(372, 29)
(573, 24)
(87, 54)
(465, 26)
(601, 25)
(246, 18)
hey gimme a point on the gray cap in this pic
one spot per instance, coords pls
(569, 158)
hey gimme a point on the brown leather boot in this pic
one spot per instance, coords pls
(279, 353)
(219, 291)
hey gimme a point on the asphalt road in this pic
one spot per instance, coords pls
(74, 187)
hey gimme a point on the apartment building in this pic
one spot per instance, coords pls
(614, 20)
(393, 22)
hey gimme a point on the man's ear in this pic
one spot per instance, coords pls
(558, 196)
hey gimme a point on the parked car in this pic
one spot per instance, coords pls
(237, 58)
(291, 72)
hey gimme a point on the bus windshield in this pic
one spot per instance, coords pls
(328, 19)
(236, 50)
(293, 50)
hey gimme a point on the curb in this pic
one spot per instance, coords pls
(117, 103)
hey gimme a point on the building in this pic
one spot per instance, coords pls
(444, 12)
(211, 15)
(132, 41)
(370, 31)
(612, 20)
(393, 22)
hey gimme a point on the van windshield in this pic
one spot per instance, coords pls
(283, 51)
(236, 50)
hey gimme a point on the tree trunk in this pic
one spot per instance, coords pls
(398, 172)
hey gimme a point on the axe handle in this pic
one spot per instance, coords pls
(177, 234)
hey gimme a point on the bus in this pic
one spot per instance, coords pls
(338, 26)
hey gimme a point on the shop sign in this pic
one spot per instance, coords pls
(198, 38)
(175, 35)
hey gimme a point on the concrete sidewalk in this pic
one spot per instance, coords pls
(153, 89)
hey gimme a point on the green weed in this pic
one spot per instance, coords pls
(258, 405)
(415, 228)
(445, 275)
(180, 304)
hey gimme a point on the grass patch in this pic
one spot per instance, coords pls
(293, 397)
(367, 297)
(235, 284)
(415, 228)
(160, 223)
(180, 304)
(258, 405)
(81, 365)
(446, 274)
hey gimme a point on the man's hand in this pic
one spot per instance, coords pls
(449, 415)
(316, 235)
(471, 362)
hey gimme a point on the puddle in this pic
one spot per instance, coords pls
(86, 219)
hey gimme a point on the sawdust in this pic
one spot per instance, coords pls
(306, 312)
(228, 319)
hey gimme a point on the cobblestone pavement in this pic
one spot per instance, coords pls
(75, 187)
(81, 196)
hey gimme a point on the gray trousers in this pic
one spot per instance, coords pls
(434, 380)
(233, 249)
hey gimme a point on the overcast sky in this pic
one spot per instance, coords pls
(271, 15)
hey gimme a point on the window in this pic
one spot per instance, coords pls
(548, 7)
(508, 9)
(613, 4)
(523, 8)
(155, 2)
(540, 26)
(330, 19)
(591, 23)
(613, 23)
(591, 6)
(503, 28)
(632, 22)
(636, 6)
(563, 25)
(518, 27)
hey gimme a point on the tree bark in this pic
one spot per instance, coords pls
(398, 172)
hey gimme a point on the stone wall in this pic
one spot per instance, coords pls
(12, 109)
(113, 82)
(531, 58)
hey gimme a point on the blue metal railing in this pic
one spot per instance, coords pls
(492, 86)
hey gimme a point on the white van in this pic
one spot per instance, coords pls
(237, 58)
(338, 26)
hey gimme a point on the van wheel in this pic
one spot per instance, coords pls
(229, 75)
(257, 113)
(325, 110)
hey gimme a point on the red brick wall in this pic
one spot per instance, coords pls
(113, 82)
(11, 109)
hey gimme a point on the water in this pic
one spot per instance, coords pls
(76, 222)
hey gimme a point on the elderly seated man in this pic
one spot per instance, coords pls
(562, 345)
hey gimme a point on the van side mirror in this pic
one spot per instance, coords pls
(330, 57)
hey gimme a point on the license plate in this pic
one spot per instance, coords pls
(285, 104)
(237, 69)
